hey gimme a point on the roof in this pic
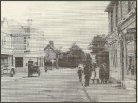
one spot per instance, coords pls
(53, 48)
(109, 6)
(16, 29)
(26, 29)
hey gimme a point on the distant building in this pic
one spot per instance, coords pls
(122, 41)
(6, 44)
(51, 53)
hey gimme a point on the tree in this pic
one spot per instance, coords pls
(75, 49)
(76, 53)
(97, 45)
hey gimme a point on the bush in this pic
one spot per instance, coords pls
(70, 63)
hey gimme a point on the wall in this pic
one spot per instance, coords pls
(18, 43)
(5, 34)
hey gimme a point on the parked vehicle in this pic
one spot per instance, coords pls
(7, 69)
(32, 68)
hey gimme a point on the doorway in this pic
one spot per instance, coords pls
(18, 61)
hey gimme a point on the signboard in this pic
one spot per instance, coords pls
(131, 33)
(127, 16)
(131, 30)
(20, 35)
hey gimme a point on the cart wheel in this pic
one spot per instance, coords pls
(29, 74)
(45, 70)
(12, 72)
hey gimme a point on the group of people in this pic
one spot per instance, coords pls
(92, 72)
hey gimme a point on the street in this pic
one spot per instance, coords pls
(60, 85)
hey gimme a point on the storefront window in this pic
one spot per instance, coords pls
(131, 71)
(131, 56)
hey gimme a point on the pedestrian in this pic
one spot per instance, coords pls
(97, 74)
(101, 72)
(80, 71)
(106, 73)
(93, 72)
(87, 73)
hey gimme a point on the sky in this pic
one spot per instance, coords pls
(64, 22)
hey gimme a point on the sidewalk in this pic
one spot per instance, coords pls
(19, 74)
(109, 93)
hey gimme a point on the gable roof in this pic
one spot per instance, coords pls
(109, 6)
(53, 48)
(26, 29)
(5, 26)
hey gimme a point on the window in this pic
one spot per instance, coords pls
(4, 41)
(24, 47)
(111, 20)
(129, 6)
(131, 66)
(117, 6)
(24, 40)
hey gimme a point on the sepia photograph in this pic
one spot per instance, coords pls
(68, 51)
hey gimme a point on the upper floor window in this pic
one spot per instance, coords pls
(4, 40)
(111, 20)
(117, 6)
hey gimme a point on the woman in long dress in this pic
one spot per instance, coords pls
(93, 73)
(97, 74)
(101, 72)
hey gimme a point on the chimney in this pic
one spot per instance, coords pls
(51, 43)
(29, 22)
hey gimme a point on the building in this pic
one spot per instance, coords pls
(6, 44)
(122, 42)
(25, 46)
(51, 53)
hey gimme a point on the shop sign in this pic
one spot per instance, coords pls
(131, 30)
(20, 35)
(130, 34)
(127, 16)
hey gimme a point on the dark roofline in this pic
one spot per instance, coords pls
(51, 48)
(109, 6)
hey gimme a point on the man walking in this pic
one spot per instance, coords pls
(80, 71)
(87, 73)
(80, 74)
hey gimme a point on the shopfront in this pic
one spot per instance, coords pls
(6, 57)
(131, 54)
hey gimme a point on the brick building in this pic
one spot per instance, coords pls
(51, 53)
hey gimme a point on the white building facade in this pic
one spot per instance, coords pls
(122, 42)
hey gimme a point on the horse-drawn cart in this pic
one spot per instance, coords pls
(33, 69)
